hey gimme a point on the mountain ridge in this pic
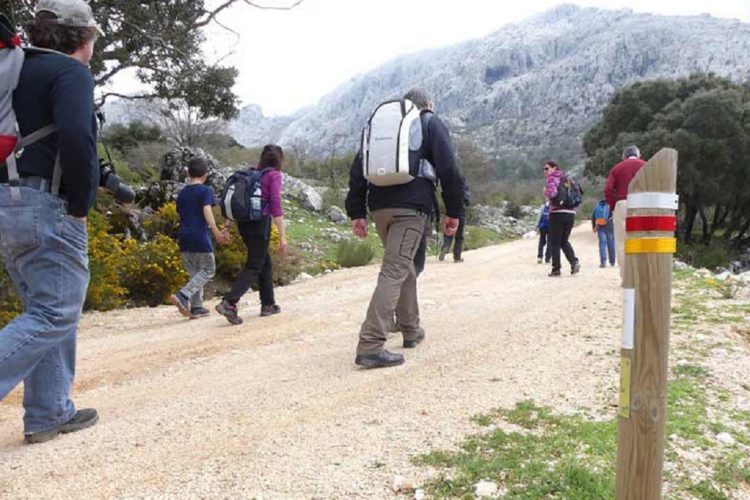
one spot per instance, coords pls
(536, 84)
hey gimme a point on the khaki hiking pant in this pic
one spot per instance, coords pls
(401, 231)
(618, 218)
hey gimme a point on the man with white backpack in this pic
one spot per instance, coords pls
(49, 175)
(406, 150)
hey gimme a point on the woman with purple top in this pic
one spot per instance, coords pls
(256, 236)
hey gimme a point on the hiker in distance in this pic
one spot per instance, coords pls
(252, 198)
(458, 240)
(564, 196)
(616, 194)
(601, 224)
(405, 150)
(542, 224)
(49, 184)
(194, 206)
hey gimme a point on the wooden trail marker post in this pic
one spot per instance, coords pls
(647, 307)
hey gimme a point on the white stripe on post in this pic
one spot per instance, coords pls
(665, 201)
(628, 318)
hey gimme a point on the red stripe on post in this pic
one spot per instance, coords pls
(651, 223)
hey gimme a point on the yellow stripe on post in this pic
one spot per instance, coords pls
(650, 245)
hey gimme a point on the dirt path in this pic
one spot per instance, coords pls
(276, 408)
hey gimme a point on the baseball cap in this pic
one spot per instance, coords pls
(73, 13)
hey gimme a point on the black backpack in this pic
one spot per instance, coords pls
(569, 194)
(241, 199)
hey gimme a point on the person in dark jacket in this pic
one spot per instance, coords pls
(561, 222)
(400, 214)
(458, 245)
(43, 236)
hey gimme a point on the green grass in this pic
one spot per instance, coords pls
(534, 452)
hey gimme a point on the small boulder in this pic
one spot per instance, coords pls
(485, 489)
(337, 216)
(726, 439)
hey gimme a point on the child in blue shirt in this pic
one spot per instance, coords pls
(543, 226)
(194, 205)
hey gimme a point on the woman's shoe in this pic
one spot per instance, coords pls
(269, 310)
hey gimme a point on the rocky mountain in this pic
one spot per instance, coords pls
(532, 88)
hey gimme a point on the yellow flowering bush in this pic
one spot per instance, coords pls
(105, 258)
(10, 305)
(152, 271)
(165, 221)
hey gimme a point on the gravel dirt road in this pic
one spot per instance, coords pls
(276, 408)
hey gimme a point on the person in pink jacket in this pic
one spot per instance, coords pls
(257, 236)
(561, 221)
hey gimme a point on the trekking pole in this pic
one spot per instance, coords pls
(649, 249)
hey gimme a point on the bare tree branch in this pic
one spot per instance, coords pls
(297, 3)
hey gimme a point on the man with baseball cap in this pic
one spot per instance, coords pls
(43, 209)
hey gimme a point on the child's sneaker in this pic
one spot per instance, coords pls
(182, 303)
(229, 311)
(199, 312)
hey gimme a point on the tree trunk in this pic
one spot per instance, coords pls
(705, 228)
(690, 214)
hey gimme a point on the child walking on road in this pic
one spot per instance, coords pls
(194, 205)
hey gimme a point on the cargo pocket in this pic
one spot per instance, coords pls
(19, 231)
(410, 243)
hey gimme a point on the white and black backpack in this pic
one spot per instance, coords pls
(392, 144)
(12, 57)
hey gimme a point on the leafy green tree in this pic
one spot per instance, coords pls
(127, 137)
(704, 117)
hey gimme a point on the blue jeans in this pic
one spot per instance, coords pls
(46, 254)
(606, 244)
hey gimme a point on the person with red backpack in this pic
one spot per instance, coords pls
(564, 197)
(48, 184)
(602, 225)
(256, 232)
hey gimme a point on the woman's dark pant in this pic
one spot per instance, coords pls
(258, 269)
(543, 242)
(560, 227)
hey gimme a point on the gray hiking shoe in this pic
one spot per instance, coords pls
(575, 268)
(385, 359)
(412, 343)
(83, 419)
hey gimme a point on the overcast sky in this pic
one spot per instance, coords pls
(290, 59)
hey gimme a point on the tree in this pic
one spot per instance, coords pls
(707, 119)
(161, 40)
(124, 138)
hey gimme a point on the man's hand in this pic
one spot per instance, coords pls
(283, 247)
(450, 226)
(360, 228)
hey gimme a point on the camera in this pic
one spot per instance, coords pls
(108, 180)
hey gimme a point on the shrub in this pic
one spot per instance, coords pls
(479, 237)
(704, 256)
(152, 271)
(231, 259)
(165, 221)
(105, 259)
(354, 253)
(10, 305)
